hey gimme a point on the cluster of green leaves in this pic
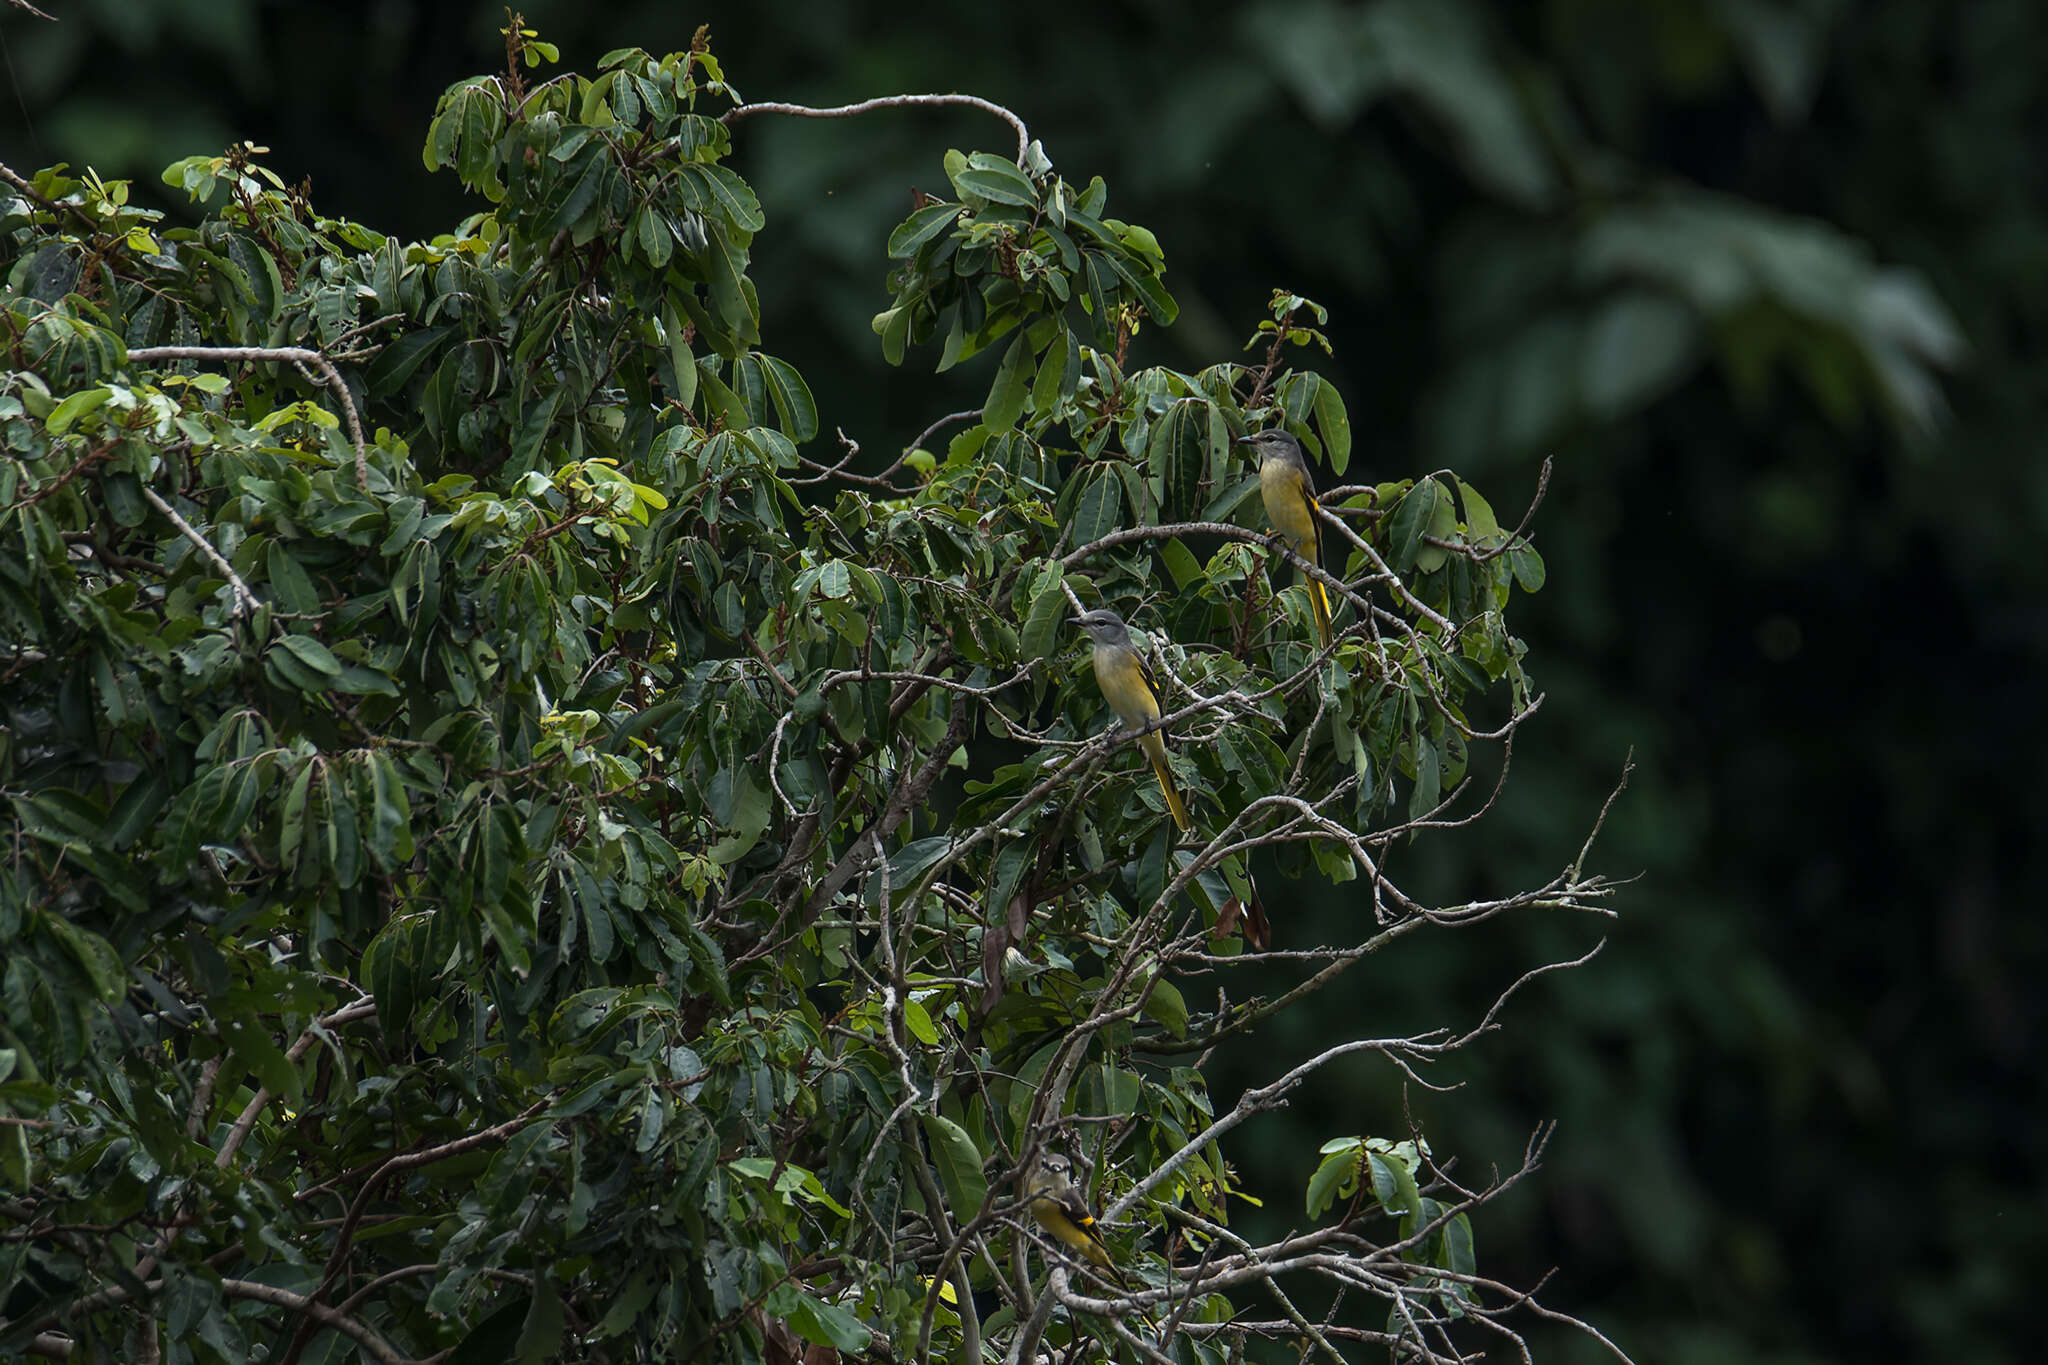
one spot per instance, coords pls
(723, 851)
(1389, 1174)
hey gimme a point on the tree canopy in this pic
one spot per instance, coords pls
(526, 845)
(1793, 1095)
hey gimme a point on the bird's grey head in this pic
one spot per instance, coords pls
(1273, 444)
(1054, 1165)
(1103, 625)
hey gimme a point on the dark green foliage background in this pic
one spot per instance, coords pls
(1801, 1114)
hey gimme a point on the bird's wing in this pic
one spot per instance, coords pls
(1315, 522)
(1145, 671)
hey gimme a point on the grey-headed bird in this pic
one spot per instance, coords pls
(1290, 495)
(1127, 685)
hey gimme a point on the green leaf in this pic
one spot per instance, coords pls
(1178, 455)
(650, 230)
(506, 932)
(725, 266)
(401, 359)
(1012, 387)
(828, 1325)
(1394, 1186)
(388, 971)
(1443, 526)
(918, 1021)
(137, 809)
(920, 227)
(959, 1163)
(294, 587)
(681, 363)
(540, 1334)
(1334, 425)
(1168, 1008)
(1045, 621)
(481, 121)
(1181, 564)
(751, 808)
(1052, 370)
(17, 1163)
(893, 327)
(1411, 517)
(496, 1338)
(390, 812)
(626, 1308)
(1428, 780)
(76, 406)
(714, 189)
(1100, 508)
(292, 816)
(1139, 276)
(992, 178)
(574, 191)
(312, 654)
(1457, 1246)
(722, 401)
(907, 863)
(266, 286)
(795, 411)
(1336, 1174)
(101, 964)
(358, 681)
(248, 1036)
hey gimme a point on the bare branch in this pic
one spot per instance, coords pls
(245, 601)
(1628, 765)
(296, 355)
(28, 190)
(237, 1135)
(882, 480)
(315, 1311)
(732, 116)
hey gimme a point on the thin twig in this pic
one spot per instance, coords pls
(294, 354)
(245, 601)
(237, 1135)
(28, 191)
(733, 116)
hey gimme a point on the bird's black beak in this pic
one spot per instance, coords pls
(1245, 441)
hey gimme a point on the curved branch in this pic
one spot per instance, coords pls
(56, 1347)
(1169, 530)
(732, 116)
(361, 1333)
(26, 189)
(296, 355)
(881, 480)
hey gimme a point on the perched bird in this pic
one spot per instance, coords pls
(1290, 496)
(1060, 1209)
(1127, 684)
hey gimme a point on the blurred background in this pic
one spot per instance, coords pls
(1767, 279)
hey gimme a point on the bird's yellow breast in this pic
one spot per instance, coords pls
(1122, 680)
(1286, 505)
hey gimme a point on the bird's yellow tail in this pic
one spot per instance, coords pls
(1166, 789)
(1319, 604)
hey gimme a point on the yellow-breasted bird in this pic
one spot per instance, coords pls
(1290, 495)
(1127, 685)
(1061, 1210)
